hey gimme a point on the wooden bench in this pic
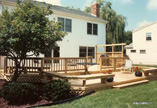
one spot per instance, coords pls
(150, 70)
(103, 77)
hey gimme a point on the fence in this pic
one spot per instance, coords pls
(37, 65)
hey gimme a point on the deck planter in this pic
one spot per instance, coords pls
(110, 79)
(138, 74)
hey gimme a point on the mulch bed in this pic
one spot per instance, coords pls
(6, 104)
(39, 101)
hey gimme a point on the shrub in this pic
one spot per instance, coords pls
(56, 90)
(18, 92)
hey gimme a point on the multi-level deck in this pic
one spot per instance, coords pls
(46, 69)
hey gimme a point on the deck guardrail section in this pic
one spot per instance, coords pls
(37, 65)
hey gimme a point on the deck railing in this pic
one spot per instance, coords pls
(37, 65)
(109, 54)
(112, 62)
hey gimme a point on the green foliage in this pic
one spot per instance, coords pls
(128, 37)
(18, 92)
(116, 24)
(56, 90)
(27, 28)
(87, 10)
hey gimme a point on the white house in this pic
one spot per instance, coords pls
(85, 31)
(143, 50)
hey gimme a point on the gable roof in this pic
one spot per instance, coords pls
(130, 46)
(64, 10)
(145, 26)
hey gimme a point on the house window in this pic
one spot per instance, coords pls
(133, 51)
(89, 28)
(148, 36)
(142, 51)
(62, 24)
(95, 29)
(83, 51)
(91, 51)
(66, 24)
(86, 51)
(92, 29)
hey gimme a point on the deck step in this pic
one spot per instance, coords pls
(130, 84)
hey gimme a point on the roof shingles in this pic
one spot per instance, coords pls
(69, 11)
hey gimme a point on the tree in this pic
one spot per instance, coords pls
(27, 29)
(87, 10)
(128, 37)
(116, 24)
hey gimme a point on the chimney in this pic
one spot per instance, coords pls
(95, 9)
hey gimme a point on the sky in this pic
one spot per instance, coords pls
(137, 12)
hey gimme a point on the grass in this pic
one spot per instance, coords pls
(112, 98)
(147, 65)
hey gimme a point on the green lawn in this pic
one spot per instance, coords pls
(147, 65)
(112, 98)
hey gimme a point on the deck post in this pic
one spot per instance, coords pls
(0, 62)
(100, 64)
(103, 80)
(84, 83)
(96, 54)
(66, 65)
(104, 50)
(5, 65)
(122, 53)
(112, 54)
(114, 64)
(122, 50)
(42, 65)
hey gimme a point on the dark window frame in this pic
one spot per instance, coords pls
(88, 51)
(89, 30)
(82, 51)
(142, 51)
(148, 36)
(65, 26)
(62, 24)
(68, 25)
(133, 51)
(93, 29)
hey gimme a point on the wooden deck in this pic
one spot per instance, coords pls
(120, 78)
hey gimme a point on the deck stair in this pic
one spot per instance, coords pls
(124, 85)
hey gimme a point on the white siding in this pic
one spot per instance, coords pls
(140, 43)
(69, 47)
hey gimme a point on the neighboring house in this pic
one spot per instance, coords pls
(143, 50)
(85, 31)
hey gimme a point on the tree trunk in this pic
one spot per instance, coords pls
(16, 73)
